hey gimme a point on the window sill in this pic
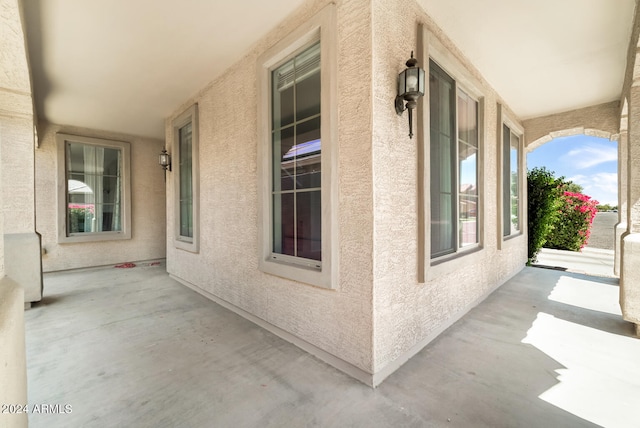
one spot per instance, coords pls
(513, 236)
(450, 263)
(94, 237)
(300, 273)
(190, 246)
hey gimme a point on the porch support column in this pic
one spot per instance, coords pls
(22, 260)
(621, 226)
(630, 273)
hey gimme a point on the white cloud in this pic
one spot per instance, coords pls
(591, 155)
(602, 186)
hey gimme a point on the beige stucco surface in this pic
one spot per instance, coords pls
(630, 260)
(16, 177)
(337, 321)
(630, 274)
(20, 250)
(16, 121)
(13, 58)
(13, 368)
(378, 312)
(406, 313)
(147, 211)
(599, 121)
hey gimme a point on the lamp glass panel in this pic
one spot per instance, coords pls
(401, 83)
(412, 79)
(421, 78)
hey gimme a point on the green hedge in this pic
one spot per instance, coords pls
(544, 204)
(560, 216)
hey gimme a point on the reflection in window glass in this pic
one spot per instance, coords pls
(443, 149)
(513, 188)
(296, 148)
(510, 180)
(94, 189)
(454, 165)
(186, 180)
(467, 169)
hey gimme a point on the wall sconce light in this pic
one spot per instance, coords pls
(164, 160)
(410, 89)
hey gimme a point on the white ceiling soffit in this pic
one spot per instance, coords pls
(124, 65)
(542, 56)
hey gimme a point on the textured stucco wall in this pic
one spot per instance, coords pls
(407, 314)
(379, 311)
(337, 321)
(14, 73)
(147, 211)
(16, 157)
(13, 367)
(16, 122)
(600, 121)
(20, 250)
(630, 260)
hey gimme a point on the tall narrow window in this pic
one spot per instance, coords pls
(297, 153)
(296, 164)
(454, 150)
(185, 173)
(510, 181)
(96, 189)
(186, 182)
(467, 170)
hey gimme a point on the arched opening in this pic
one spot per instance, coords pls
(588, 158)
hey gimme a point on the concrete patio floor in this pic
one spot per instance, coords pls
(133, 348)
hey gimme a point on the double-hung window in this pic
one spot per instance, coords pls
(297, 160)
(94, 189)
(510, 182)
(185, 165)
(454, 157)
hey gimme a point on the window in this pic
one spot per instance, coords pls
(510, 182)
(297, 164)
(185, 135)
(296, 158)
(454, 152)
(94, 189)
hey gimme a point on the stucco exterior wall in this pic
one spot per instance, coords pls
(337, 321)
(16, 177)
(379, 314)
(16, 114)
(13, 366)
(599, 121)
(630, 99)
(408, 314)
(147, 211)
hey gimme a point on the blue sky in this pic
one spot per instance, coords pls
(591, 162)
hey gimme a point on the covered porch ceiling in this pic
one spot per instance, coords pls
(124, 66)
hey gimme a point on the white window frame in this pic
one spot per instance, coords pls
(187, 243)
(516, 129)
(321, 26)
(63, 234)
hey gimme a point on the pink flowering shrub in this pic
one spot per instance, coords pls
(572, 227)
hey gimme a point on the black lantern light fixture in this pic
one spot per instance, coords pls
(410, 88)
(164, 159)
